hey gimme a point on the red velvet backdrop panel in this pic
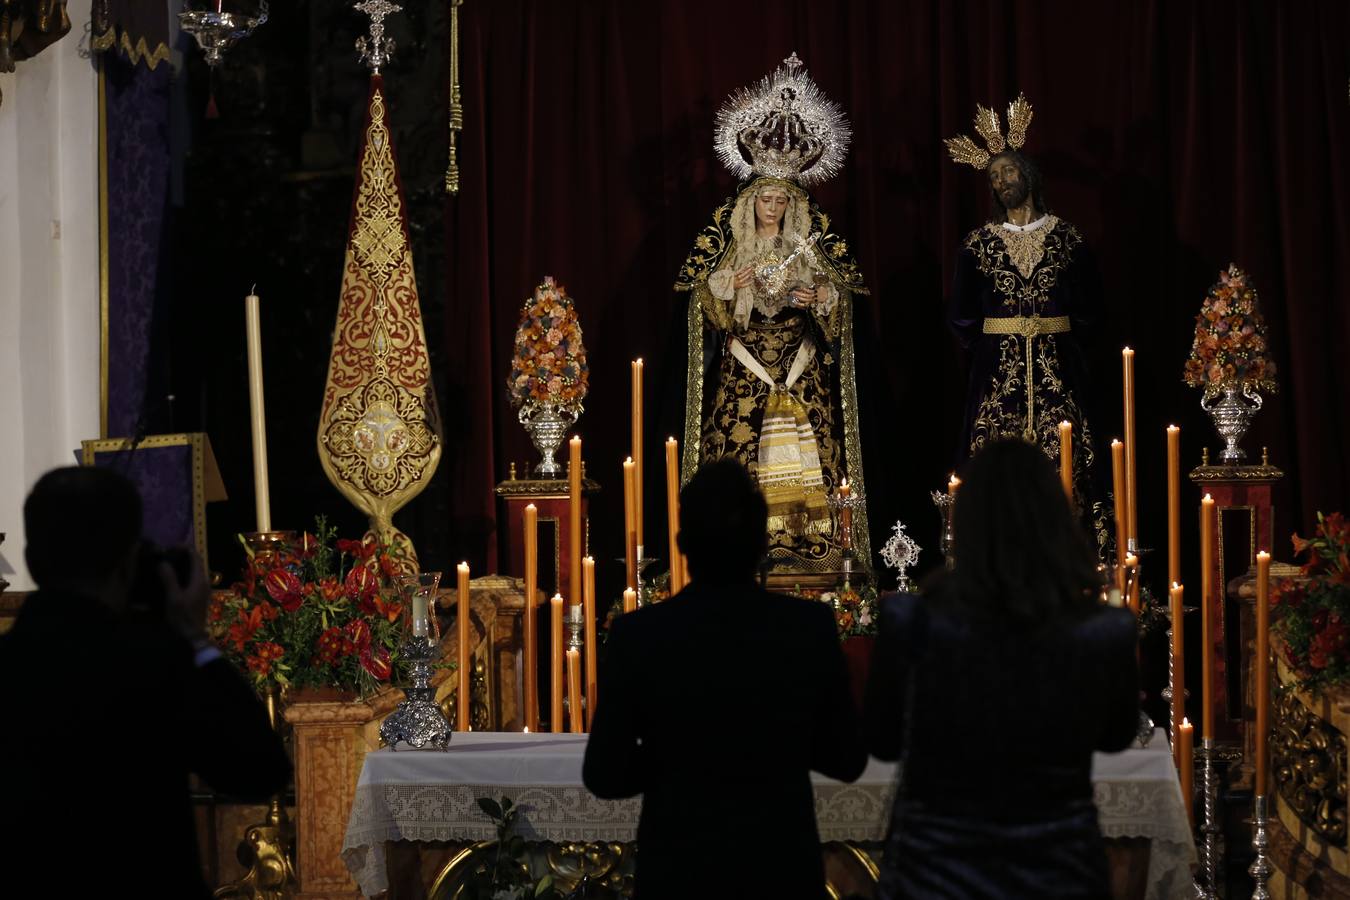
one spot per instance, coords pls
(1177, 136)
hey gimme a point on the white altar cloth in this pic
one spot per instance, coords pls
(433, 796)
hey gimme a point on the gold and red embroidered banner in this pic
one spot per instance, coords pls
(379, 429)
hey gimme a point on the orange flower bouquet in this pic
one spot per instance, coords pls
(549, 366)
(1310, 613)
(1230, 338)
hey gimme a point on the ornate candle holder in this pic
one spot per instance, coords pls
(1261, 868)
(216, 31)
(418, 721)
(266, 545)
(943, 501)
(844, 506)
(1209, 826)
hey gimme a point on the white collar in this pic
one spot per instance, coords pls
(1030, 226)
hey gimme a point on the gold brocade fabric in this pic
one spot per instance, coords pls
(801, 533)
(379, 433)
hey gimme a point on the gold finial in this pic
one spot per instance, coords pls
(513, 471)
(1204, 456)
(1265, 456)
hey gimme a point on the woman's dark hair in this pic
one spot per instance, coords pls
(1020, 553)
(1031, 174)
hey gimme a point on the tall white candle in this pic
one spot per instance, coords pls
(257, 416)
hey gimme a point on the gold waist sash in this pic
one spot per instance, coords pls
(1029, 328)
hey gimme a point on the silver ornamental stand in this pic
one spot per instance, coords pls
(418, 721)
(1260, 868)
(1209, 825)
(943, 501)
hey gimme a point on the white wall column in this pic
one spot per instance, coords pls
(49, 287)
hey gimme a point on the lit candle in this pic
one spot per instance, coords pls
(1066, 458)
(1262, 670)
(419, 613)
(1178, 663)
(1173, 504)
(629, 528)
(1186, 750)
(673, 513)
(1132, 580)
(1122, 513)
(258, 418)
(952, 484)
(574, 519)
(1206, 617)
(531, 626)
(556, 669)
(462, 707)
(637, 451)
(1131, 493)
(629, 600)
(574, 688)
(588, 610)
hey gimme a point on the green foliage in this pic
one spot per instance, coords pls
(505, 872)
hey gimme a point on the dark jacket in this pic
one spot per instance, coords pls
(104, 720)
(715, 706)
(997, 724)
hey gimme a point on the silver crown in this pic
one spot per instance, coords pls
(783, 127)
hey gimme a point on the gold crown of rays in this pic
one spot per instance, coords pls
(963, 149)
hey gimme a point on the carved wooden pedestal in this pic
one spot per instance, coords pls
(1242, 498)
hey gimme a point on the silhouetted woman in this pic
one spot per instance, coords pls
(995, 688)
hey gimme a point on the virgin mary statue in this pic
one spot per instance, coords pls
(771, 365)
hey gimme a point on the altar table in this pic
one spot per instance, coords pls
(432, 796)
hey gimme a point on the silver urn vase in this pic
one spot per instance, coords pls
(547, 425)
(1232, 410)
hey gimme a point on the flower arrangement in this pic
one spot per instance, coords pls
(1310, 614)
(1230, 338)
(855, 608)
(314, 613)
(549, 365)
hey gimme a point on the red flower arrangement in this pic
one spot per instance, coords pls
(1230, 338)
(549, 365)
(1311, 613)
(316, 613)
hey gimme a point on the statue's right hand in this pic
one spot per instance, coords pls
(744, 277)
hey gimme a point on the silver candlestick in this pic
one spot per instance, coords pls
(418, 721)
(943, 501)
(1210, 827)
(1260, 868)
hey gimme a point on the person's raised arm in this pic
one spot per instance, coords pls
(230, 743)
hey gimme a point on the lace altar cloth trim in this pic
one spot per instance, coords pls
(416, 797)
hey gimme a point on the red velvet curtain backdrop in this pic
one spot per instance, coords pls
(1177, 136)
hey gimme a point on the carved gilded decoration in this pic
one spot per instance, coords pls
(1308, 759)
(379, 434)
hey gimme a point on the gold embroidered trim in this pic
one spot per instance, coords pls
(693, 388)
(1025, 249)
(136, 53)
(848, 400)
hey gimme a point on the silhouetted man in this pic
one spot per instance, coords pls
(107, 709)
(716, 705)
